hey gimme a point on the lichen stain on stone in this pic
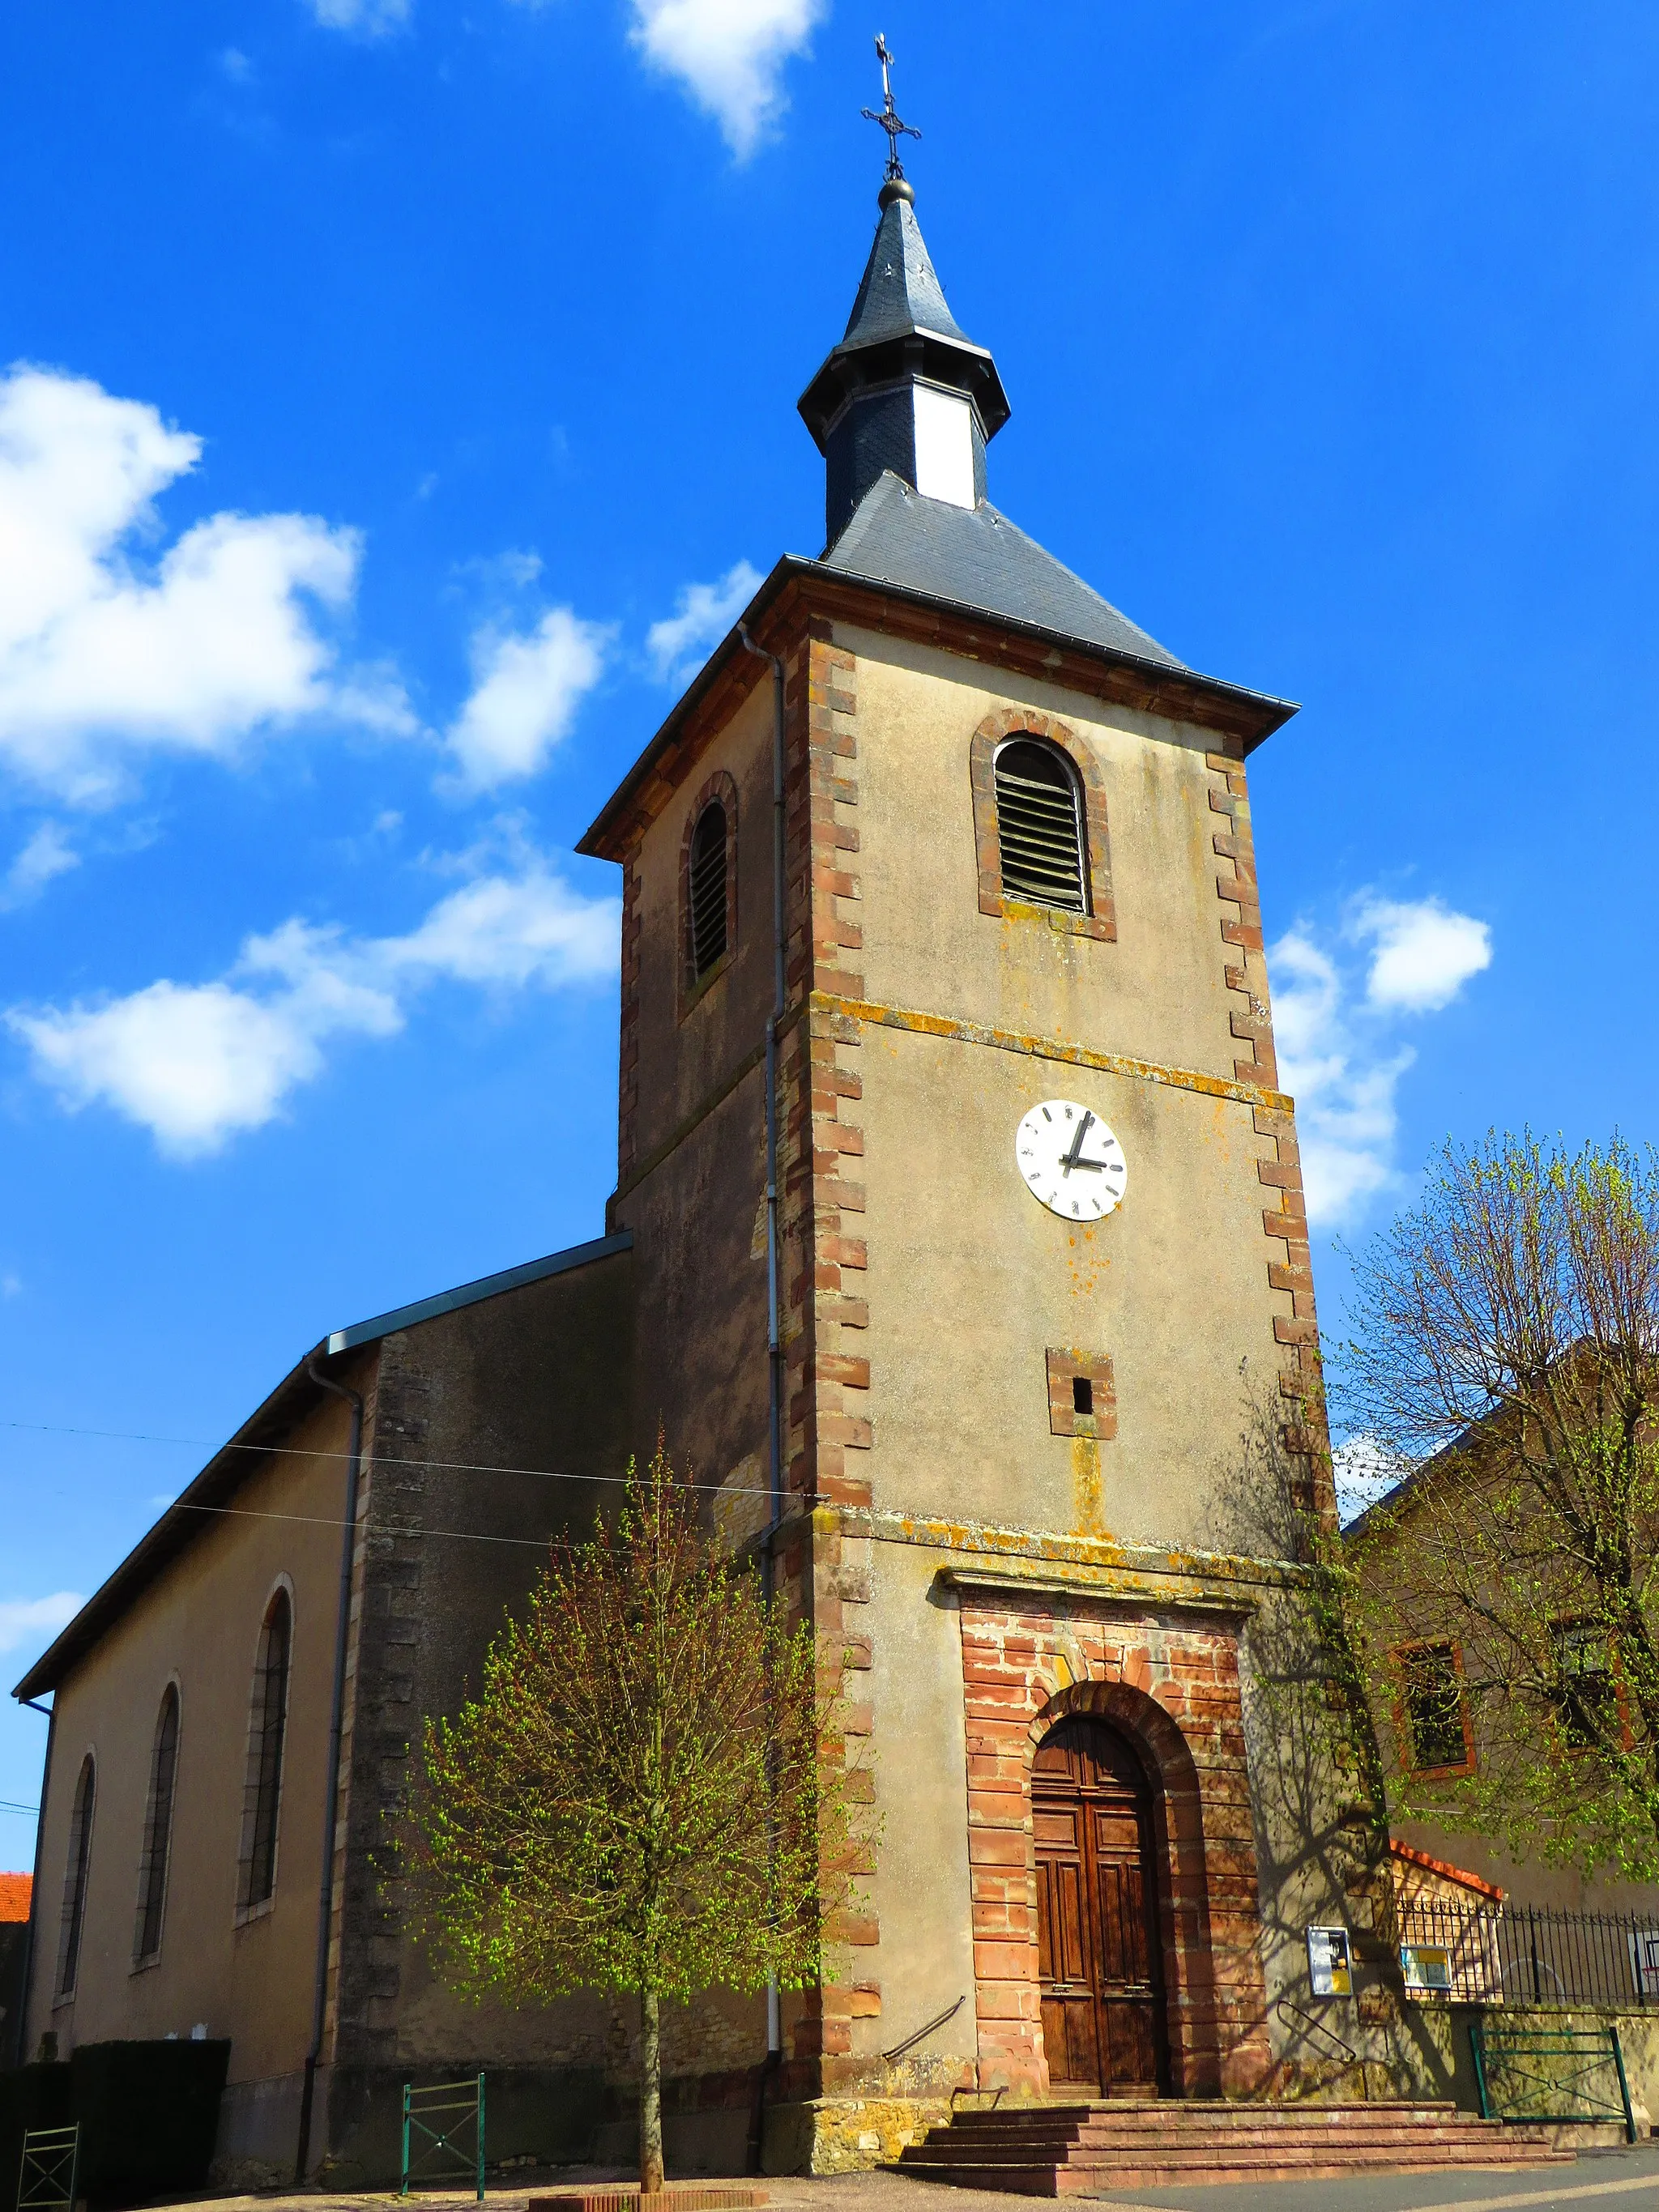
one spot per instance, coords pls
(1222, 1122)
(1088, 1263)
(1086, 1485)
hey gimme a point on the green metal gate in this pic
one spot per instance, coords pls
(46, 2179)
(1552, 2076)
(444, 2134)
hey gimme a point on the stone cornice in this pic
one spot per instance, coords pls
(1053, 1562)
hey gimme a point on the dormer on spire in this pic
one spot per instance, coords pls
(906, 389)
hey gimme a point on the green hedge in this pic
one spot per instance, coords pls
(148, 2113)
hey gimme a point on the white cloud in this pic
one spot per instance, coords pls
(1340, 1055)
(372, 18)
(682, 641)
(1424, 953)
(196, 1064)
(730, 55)
(24, 1618)
(526, 691)
(48, 854)
(105, 657)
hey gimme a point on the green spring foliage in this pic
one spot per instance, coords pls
(648, 1794)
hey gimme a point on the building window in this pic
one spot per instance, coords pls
(1042, 841)
(1433, 1712)
(706, 889)
(75, 1878)
(267, 1725)
(1082, 1394)
(158, 1832)
(1586, 1701)
(1040, 826)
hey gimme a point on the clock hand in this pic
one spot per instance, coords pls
(1070, 1159)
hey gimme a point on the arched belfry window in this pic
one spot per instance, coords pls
(267, 1726)
(1040, 835)
(75, 1878)
(158, 1830)
(710, 868)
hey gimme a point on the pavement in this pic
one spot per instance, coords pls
(1622, 2180)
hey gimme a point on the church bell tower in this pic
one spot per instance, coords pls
(967, 1219)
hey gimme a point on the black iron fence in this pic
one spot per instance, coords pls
(1523, 1954)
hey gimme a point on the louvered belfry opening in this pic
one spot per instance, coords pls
(707, 889)
(1039, 826)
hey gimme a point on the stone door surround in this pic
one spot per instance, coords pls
(1168, 1677)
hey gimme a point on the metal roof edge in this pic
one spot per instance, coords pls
(177, 1526)
(473, 1294)
(1275, 711)
(189, 1514)
(785, 565)
(1164, 670)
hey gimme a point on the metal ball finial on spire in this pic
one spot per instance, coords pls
(895, 187)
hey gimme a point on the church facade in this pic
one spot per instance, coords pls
(959, 1238)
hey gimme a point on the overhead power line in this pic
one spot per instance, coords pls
(378, 1458)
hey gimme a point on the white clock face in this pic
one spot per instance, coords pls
(1071, 1160)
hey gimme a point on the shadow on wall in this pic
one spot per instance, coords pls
(148, 2111)
(1320, 1799)
(544, 2117)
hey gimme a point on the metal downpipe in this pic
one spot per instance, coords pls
(773, 1251)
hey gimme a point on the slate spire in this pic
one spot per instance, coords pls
(906, 389)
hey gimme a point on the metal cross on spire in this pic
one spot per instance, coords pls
(889, 117)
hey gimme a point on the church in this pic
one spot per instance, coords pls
(958, 1237)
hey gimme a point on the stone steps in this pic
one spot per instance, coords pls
(1064, 2150)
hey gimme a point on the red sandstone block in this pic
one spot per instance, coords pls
(989, 1846)
(860, 1930)
(995, 1773)
(842, 1367)
(844, 1489)
(1000, 1812)
(837, 1136)
(999, 1885)
(1003, 1698)
(1012, 1923)
(841, 1428)
(1002, 2001)
(1003, 1962)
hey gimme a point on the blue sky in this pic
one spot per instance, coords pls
(400, 389)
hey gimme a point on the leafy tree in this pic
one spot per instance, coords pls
(1507, 1351)
(644, 1796)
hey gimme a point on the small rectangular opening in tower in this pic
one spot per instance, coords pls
(1082, 1393)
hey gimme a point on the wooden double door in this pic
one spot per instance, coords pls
(1099, 1950)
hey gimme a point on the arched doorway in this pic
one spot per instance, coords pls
(1099, 1952)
